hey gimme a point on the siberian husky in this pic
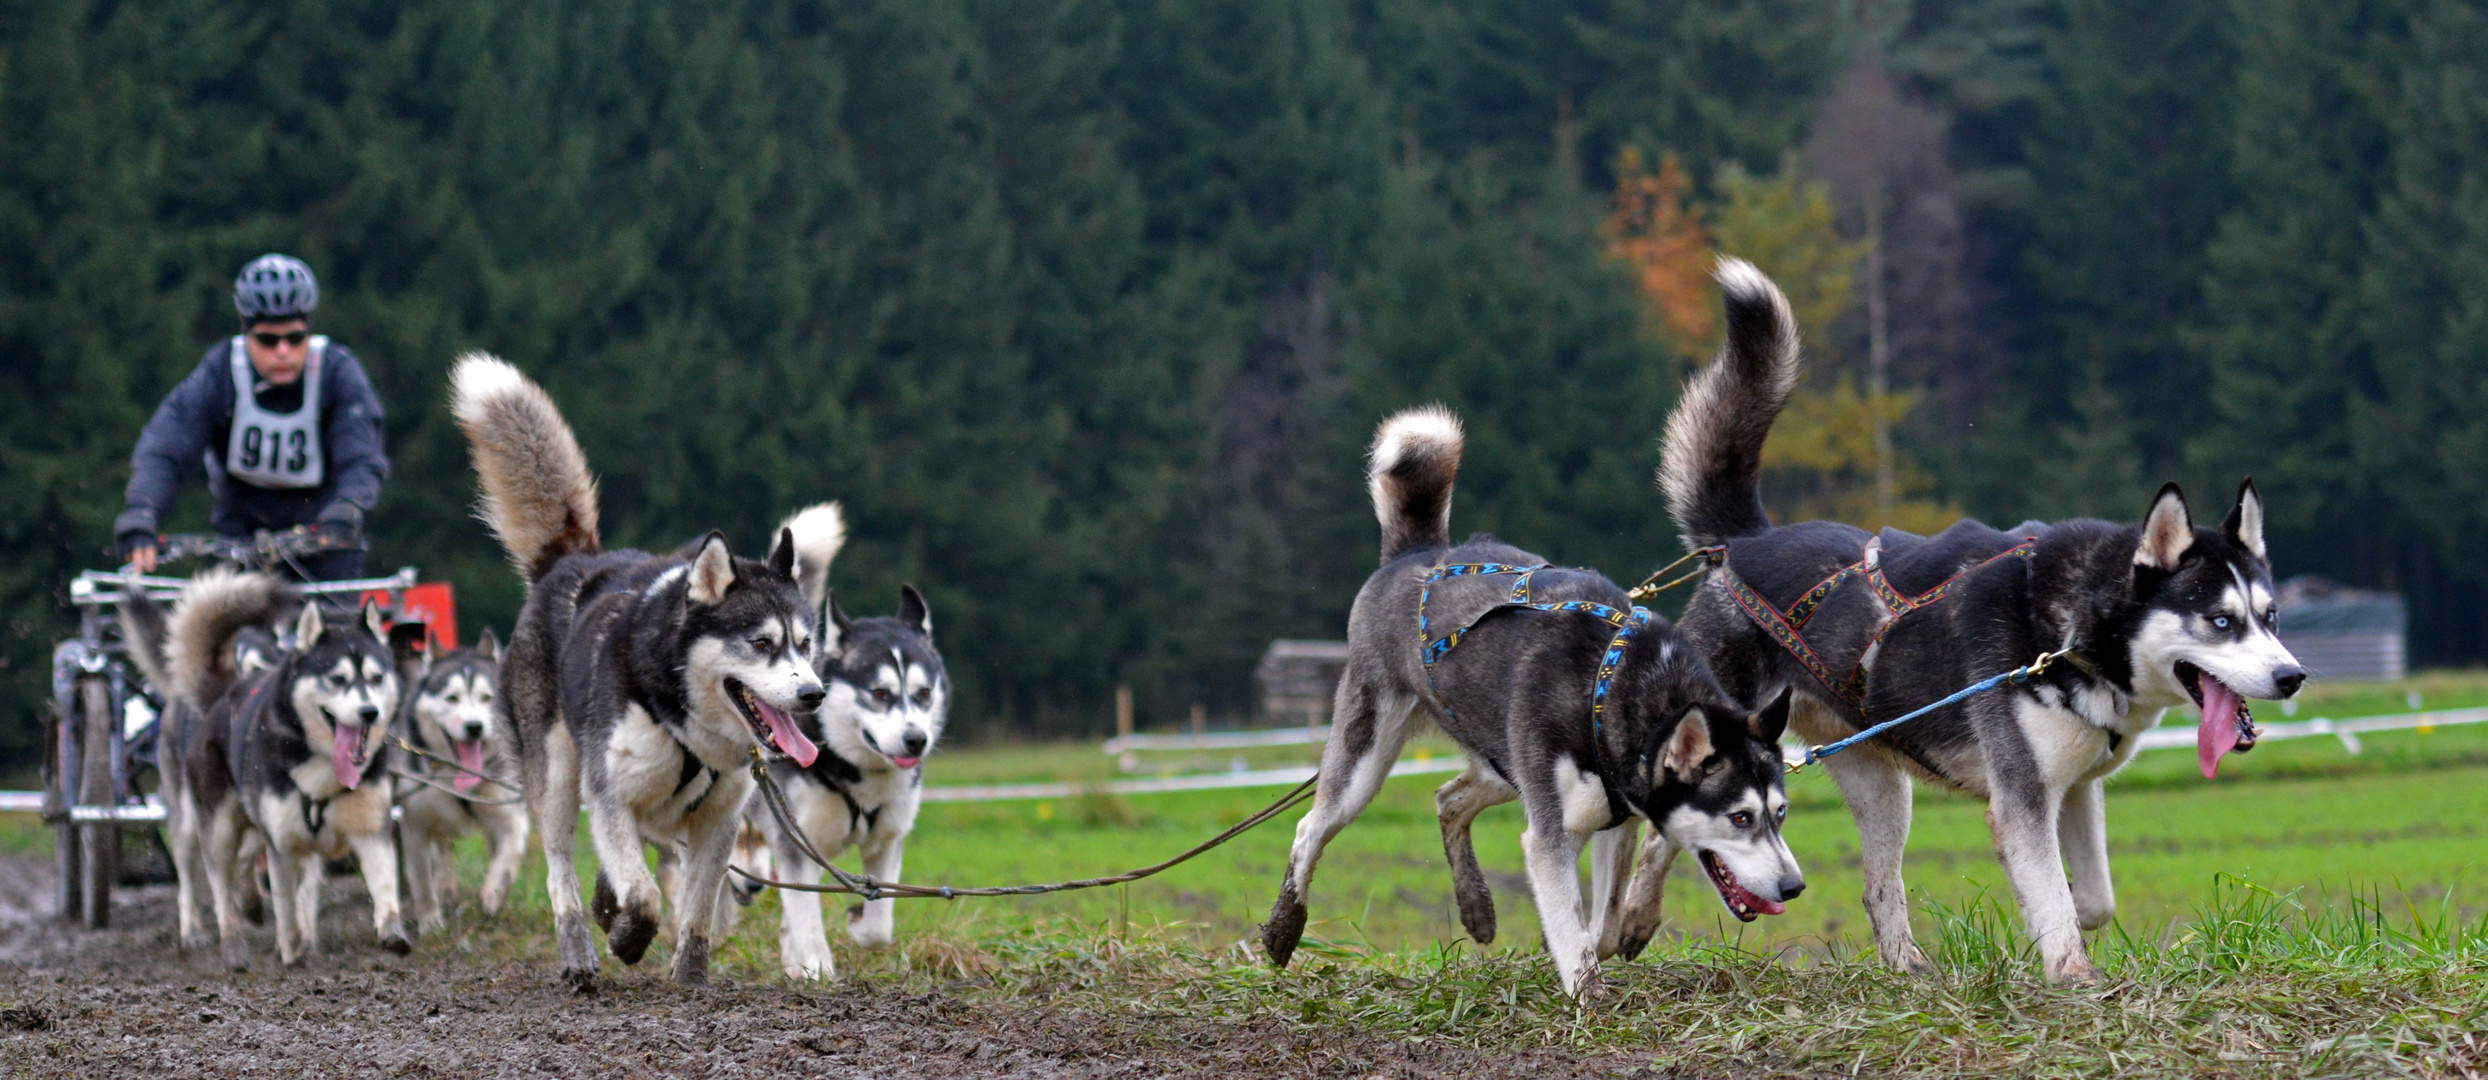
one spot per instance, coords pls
(468, 783)
(1589, 711)
(888, 698)
(1866, 627)
(638, 683)
(295, 752)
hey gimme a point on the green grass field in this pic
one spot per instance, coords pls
(2401, 821)
(2310, 912)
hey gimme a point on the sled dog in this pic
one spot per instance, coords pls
(1588, 710)
(465, 780)
(1865, 627)
(296, 752)
(888, 698)
(638, 683)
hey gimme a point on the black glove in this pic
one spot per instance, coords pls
(341, 521)
(134, 529)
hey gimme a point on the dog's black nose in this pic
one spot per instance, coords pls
(914, 741)
(370, 713)
(1791, 886)
(474, 732)
(811, 695)
(2289, 679)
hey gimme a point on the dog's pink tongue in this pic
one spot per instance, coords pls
(2218, 734)
(345, 754)
(1765, 907)
(470, 759)
(788, 738)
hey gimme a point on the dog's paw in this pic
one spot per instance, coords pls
(1585, 986)
(1630, 944)
(869, 932)
(810, 963)
(237, 953)
(1908, 957)
(2073, 969)
(1285, 929)
(629, 936)
(197, 941)
(604, 905)
(691, 962)
(579, 980)
(393, 938)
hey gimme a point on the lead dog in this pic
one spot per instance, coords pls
(1589, 711)
(465, 781)
(296, 752)
(889, 697)
(637, 683)
(2153, 615)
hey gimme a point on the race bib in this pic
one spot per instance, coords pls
(272, 449)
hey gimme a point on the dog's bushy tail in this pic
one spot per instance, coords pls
(1416, 455)
(819, 532)
(198, 640)
(143, 626)
(1711, 460)
(538, 496)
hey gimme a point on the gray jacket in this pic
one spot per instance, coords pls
(196, 421)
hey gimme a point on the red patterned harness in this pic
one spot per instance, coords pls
(1787, 627)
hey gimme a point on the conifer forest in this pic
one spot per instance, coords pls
(1085, 309)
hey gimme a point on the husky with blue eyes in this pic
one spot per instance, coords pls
(294, 752)
(1864, 627)
(888, 696)
(637, 684)
(465, 781)
(1590, 712)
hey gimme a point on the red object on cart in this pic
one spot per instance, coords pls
(431, 603)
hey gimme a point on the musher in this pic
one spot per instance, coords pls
(285, 421)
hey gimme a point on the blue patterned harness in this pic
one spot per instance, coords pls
(1628, 624)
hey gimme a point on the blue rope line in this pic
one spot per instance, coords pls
(2018, 675)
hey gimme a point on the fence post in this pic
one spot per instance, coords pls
(1123, 726)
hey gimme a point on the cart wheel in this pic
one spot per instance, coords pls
(58, 783)
(99, 846)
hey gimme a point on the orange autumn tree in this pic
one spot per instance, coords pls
(1652, 230)
(1823, 460)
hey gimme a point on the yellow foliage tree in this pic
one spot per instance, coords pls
(1829, 456)
(1784, 224)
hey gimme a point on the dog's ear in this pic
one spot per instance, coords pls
(309, 626)
(1689, 747)
(1772, 722)
(2245, 525)
(782, 553)
(489, 646)
(2168, 533)
(712, 570)
(834, 625)
(913, 611)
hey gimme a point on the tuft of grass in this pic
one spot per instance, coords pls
(2258, 983)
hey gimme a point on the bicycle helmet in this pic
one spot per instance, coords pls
(275, 287)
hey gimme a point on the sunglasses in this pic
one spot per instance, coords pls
(271, 340)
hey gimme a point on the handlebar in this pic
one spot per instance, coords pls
(264, 550)
(93, 588)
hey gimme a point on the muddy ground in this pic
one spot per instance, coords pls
(127, 1002)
